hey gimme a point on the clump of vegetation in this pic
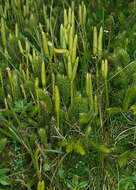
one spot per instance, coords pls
(68, 95)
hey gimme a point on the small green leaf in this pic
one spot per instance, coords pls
(69, 184)
(83, 184)
(85, 118)
(63, 143)
(4, 181)
(123, 158)
(113, 110)
(99, 147)
(61, 173)
(46, 167)
(133, 108)
(79, 149)
(69, 147)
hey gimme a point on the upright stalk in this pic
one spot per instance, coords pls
(107, 93)
(71, 91)
(97, 74)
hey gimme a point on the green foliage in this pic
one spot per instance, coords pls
(75, 185)
(67, 94)
(43, 136)
(43, 96)
(64, 88)
(128, 181)
(129, 97)
(74, 107)
(4, 179)
(73, 145)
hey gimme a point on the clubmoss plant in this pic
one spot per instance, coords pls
(57, 104)
(89, 91)
(68, 96)
(105, 75)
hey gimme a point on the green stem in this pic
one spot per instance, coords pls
(59, 164)
(71, 92)
(100, 110)
(12, 89)
(97, 74)
(52, 78)
(37, 164)
(107, 93)
(58, 120)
